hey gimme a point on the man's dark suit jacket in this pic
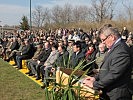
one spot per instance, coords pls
(62, 59)
(44, 55)
(14, 46)
(115, 73)
(75, 59)
(28, 51)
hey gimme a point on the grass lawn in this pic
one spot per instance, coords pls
(16, 86)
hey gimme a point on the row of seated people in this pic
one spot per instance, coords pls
(26, 51)
(46, 58)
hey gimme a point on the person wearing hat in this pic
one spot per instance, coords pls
(70, 46)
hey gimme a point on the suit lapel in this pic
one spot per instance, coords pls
(109, 53)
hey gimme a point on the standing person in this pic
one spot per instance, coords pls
(115, 71)
(124, 32)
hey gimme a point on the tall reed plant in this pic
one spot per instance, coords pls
(73, 89)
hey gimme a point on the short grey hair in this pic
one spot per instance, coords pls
(110, 30)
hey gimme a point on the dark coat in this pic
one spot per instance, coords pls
(4, 43)
(83, 36)
(28, 51)
(75, 59)
(124, 33)
(14, 46)
(62, 59)
(115, 72)
(44, 55)
(89, 59)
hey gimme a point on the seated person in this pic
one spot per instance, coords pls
(16, 52)
(40, 61)
(4, 45)
(14, 45)
(100, 56)
(70, 46)
(26, 53)
(50, 61)
(30, 62)
(62, 58)
(1, 50)
(76, 56)
(91, 54)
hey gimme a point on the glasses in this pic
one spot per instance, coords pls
(103, 40)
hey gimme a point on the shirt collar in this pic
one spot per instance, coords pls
(117, 41)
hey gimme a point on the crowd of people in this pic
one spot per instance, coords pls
(44, 51)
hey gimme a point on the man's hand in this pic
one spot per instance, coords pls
(89, 81)
(38, 62)
(45, 64)
(53, 69)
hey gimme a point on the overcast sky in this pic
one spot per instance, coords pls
(11, 11)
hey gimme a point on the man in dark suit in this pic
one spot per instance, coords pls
(77, 55)
(115, 71)
(30, 62)
(42, 58)
(26, 53)
(62, 58)
(14, 46)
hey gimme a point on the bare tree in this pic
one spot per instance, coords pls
(83, 10)
(56, 13)
(76, 14)
(129, 8)
(80, 13)
(47, 14)
(102, 9)
(67, 13)
(39, 15)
